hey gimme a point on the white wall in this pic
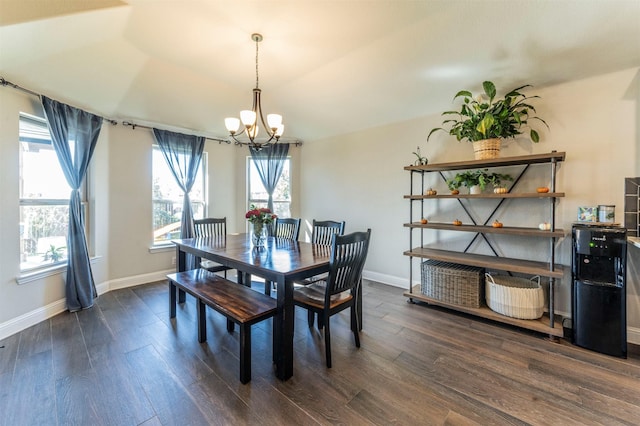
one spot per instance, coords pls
(360, 178)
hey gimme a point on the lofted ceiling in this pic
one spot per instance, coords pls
(329, 67)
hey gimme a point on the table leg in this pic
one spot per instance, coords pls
(181, 265)
(283, 350)
(172, 299)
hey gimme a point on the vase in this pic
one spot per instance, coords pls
(475, 190)
(259, 235)
(487, 148)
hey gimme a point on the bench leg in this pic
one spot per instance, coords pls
(245, 353)
(202, 321)
(172, 299)
(182, 296)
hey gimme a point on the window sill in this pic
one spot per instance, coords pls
(162, 248)
(41, 273)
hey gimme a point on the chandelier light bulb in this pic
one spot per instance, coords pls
(232, 124)
(274, 121)
(248, 117)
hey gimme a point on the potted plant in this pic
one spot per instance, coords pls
(54, 254)
(476, 180)
(496, 180)
(485, 120)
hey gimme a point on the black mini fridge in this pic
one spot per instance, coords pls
(599, 295)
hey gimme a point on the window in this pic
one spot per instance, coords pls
(44, 198)
(281, 195)
(168, 198)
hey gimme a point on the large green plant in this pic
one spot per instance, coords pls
(485, 117)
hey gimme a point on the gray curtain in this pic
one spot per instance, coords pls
(183, 154)
(270, 161)
(74, 134)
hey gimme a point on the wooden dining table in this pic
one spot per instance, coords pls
(281, 261)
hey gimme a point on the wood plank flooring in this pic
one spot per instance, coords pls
(123, 362)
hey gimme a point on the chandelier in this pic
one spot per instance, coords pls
(252, 119)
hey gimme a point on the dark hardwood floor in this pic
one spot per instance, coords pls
(123, 362)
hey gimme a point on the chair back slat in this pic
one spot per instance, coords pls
(288, 228)
(348, 255)
(210, 227)
(323, 230)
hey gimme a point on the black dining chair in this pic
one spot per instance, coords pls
(321, 233)
(283, 229)
(211, 228)
(340, 290)
(288, 228)
(323, 230)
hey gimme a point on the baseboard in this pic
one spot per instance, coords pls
(16, 325)
(136, 280)
(633, 335)
(385, 279)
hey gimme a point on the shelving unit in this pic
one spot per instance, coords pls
(547, 324)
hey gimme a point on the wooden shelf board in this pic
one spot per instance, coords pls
(490, 195)
(507, 230)
(494, 162)
(492, 262)
(541, 325)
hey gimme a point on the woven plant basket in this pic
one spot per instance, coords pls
(487, 148)
(515, 297)
(452, 283)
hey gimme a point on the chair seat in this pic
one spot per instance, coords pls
(314, 279)
(313, 295)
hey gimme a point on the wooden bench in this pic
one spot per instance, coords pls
(239, 304)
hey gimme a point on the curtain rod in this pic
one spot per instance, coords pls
(134, 125)
(4, 82)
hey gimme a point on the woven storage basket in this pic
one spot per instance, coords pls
(487, 148)
(515, 297)
(452, 283)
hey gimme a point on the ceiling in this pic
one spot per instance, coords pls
(329, 67)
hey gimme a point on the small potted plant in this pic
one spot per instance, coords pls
(496, 180)
(421, 161)
(485, 120)
(54, 254)
(476, 180)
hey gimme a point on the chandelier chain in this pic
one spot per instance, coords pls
(257, 42)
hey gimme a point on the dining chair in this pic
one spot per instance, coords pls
(288, 228)
(283, 229)
(321, 233)
(211, 228)
(340, 290)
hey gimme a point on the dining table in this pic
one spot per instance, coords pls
(281, 261)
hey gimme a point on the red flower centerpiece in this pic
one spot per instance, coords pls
(258, 218)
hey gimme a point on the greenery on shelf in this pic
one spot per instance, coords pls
(481, 178)
(484, 117)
